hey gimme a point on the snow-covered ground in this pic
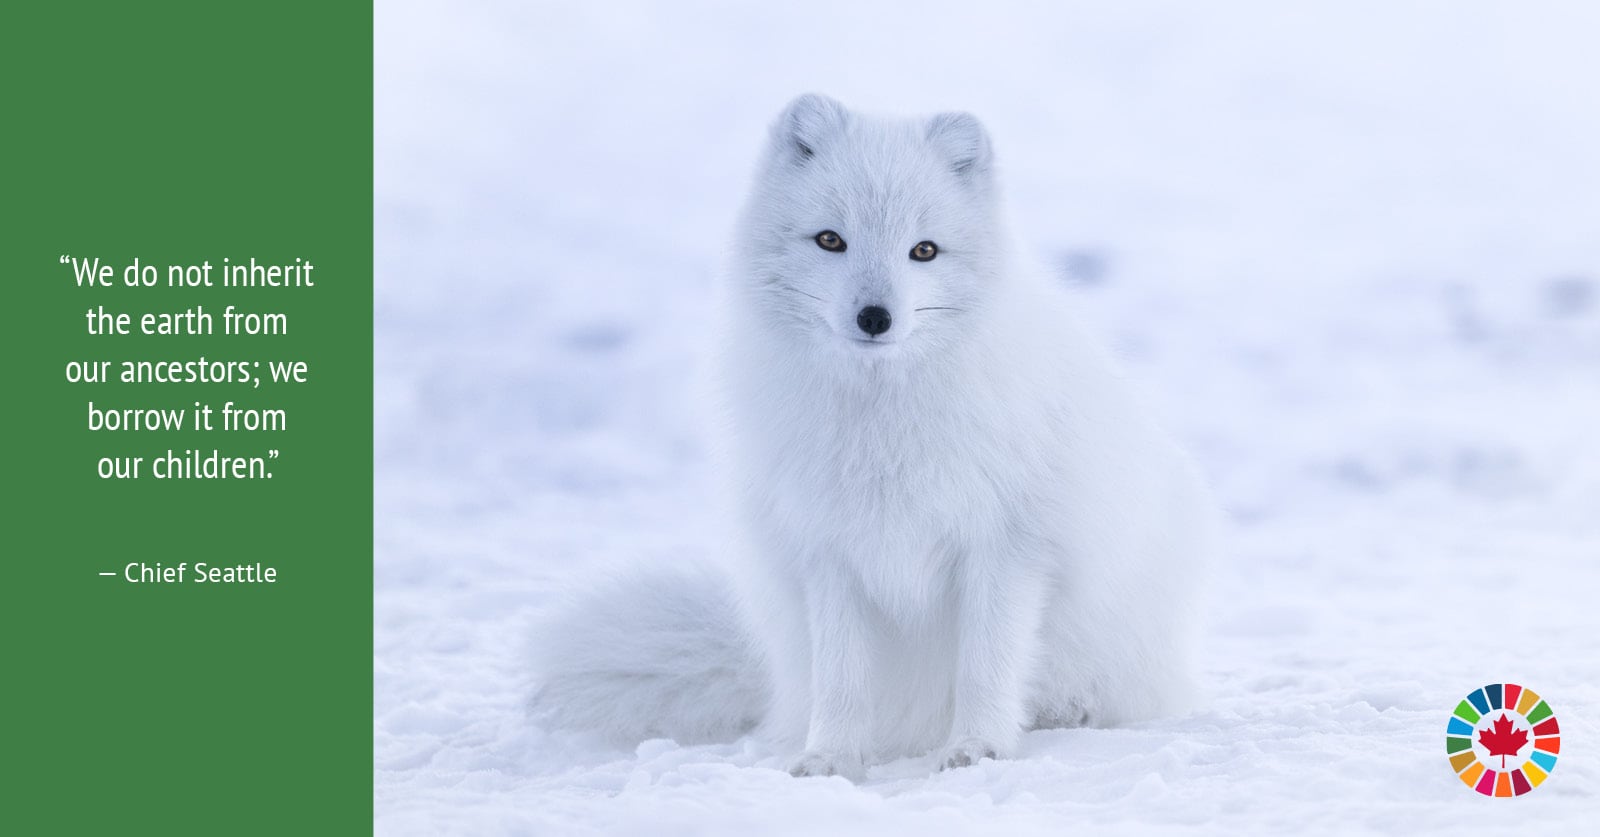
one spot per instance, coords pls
(1353, 252)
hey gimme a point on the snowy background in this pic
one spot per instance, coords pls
(1352, 250)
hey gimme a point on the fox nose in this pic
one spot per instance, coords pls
(873, 320)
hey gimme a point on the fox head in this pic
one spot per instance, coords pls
(874, 236)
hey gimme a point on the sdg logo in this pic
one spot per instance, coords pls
(1503, 740)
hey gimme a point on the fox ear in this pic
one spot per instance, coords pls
(806, 125)
(963, 141)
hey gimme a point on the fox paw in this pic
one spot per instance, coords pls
(813, 763)
(967, 753)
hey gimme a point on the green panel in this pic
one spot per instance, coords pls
(176, 132)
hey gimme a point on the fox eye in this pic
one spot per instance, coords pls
(830, 241)
(925, 251)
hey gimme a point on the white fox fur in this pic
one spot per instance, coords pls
(957, 529)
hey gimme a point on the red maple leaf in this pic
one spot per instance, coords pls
(1504, 740)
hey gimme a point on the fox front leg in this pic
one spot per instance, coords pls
(841, 662)
(1000, 613)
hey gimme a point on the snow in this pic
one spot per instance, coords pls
(1351, 251)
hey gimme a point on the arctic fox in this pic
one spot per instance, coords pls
(956, 521)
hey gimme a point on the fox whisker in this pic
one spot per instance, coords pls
(793, 289)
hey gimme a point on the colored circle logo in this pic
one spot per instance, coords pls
(1503, 740)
